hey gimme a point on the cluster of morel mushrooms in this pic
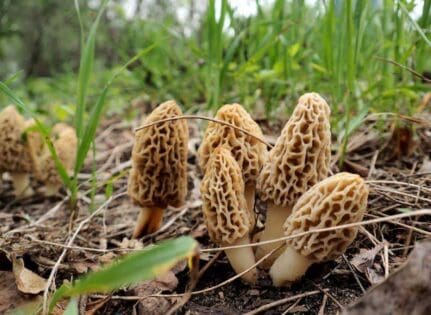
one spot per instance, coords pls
(25, 155)
(291, 179)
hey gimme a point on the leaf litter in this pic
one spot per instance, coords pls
(37, 230)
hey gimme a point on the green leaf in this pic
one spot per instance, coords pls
(138, 266)
(85, 68)
(72, 308)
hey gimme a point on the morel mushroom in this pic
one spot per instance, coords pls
(299, 160)
(338, 200)
(249, 152)
(225, 210)
(158, 177)
(14, 151)
(65, 144)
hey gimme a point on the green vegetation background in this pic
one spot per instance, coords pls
(213, 55)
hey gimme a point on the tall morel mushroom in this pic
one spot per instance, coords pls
(15, 155)
(299, 160)
(158, 177)
(337, 200)
(249, 152)
(225, 210)
(65, 144)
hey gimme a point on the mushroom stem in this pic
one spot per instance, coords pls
(289, 267)
(21, 184)
(149, 221)
(51, 189)
(249, 192)
(242, 258)
(275, 218)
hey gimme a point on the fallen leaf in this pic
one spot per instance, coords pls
(406, 291)
(426, 166)
(365, 258)
(26, 280)
(156, 305)
(10, 297)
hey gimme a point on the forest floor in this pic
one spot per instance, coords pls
(394, 161)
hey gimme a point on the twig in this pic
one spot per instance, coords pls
(333, 228)
(218, 121)
(354, 273)
(281, 302)
(69, 243)
(322, 307)
(404, 67)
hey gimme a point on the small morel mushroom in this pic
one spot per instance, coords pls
(225, 210)
(249, 152)
(65, 143)
(299, 160)
(338, 200)
(15, 156)
(158, 177)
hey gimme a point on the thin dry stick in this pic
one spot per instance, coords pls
(292, 306)
(281, 302)
(43, 218)
(218, 121)
(354, 273)
(397, 183)
(322, 307)
(329, 229)
(231, 279)
(417, 74)
(69, 243)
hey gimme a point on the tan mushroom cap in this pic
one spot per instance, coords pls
(224, 205)
(249, 152)
(301, 155)
(159, 160)
(65, 143)
(14, 153)
(225, 211)
(337, 200)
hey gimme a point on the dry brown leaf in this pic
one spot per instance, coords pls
(26, 280)
(153, 305)
(406, 291)
(365, 258)
(426, 166)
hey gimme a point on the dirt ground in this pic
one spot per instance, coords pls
(394, 160)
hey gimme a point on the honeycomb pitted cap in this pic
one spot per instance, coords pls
(337, 200)
(301, 156)
(249, 152)
(159, 160)
(14, 153)
(224, 205)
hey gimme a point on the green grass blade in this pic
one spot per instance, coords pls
(132, 268)
(72, 308)
(90, 128)
(415, 25)
(85, 69)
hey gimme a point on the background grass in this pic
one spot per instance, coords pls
(213, 55)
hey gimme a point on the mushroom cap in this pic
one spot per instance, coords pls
(337, 200)
(14, 154)
(36, 145)
(249, 152)
(65, 143)
(301, 155)
(224, 205)
(159, 160)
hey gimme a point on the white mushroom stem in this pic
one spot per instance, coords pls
(289, 267)
(242, 258)
(249, 192)
(149, 221)
(21, 184)
(275, 218)
(51, 189)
